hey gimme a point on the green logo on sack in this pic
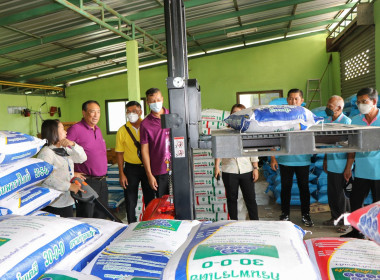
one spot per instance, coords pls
(211, 250)
(3, 240)
(163, 224)
(346, 273)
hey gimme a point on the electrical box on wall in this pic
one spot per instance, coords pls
(15, 109)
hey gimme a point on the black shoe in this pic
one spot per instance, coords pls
(307, 220)
(353, 234)
(329, 222)
(284, 217)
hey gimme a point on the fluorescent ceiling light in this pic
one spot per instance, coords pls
(82, 80)
(196, 54)
(226, 48)
(28, 92)
(112, 53)
(241, 32)
(266, 40)
(112, 73)
(307, 32)
(153, 63)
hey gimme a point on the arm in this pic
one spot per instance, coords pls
(120, 162)
(348, 170)
(146, 161)
(77, 153)
(255, 172)
(273, 163)
(217, 168)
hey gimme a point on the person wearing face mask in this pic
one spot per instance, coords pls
(155, 144)
(61, 153)
(131, 169)
(290, 165)
(367, 164)
(87, 134)
(335, 163)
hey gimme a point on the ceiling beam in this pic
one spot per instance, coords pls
(33, 13)
(121, 19)
(49, 39)
(290, 21)
(271, 21)
(242, 12)
(160, 11)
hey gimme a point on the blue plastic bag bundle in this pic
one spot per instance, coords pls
(320, 112)
(282, 101)
(272, 118)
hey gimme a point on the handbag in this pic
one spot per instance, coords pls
(137, 143)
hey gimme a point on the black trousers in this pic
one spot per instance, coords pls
(163, 184)
(335, 193)
(90, 209)
(135, 174)
(231, 183)
(360, 190)
(65, 212)
(302, 175)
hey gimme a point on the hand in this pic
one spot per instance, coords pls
(123, 181)
(80, 175)
(66, 143)
(325, 165)
(347, 174)
(217, 172)
(152, 182)
(255, 175)
(274, 164)
(76, 187)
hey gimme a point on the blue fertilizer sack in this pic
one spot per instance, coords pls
(272, 118)
(30, 245)
(23, 173)
(66, 275)
(15, 146)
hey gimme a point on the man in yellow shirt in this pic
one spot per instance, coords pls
(131, 169)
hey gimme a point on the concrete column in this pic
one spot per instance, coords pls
(133, 71)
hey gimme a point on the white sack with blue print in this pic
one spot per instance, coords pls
(272, 118)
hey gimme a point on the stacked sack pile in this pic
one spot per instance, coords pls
(210, 197)
(20, 175)
(116, 192)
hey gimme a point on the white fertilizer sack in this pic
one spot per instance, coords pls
(344, 258)
(204, 172)
(30, 245)
(212, 208)
(273, 118)
(21, 174)
(43, 213)
(28, 200)
(15, 146)
(242, 250)
(78, 259)
(202, 153)
(214, 115)
(66, 275)
(207, 199)
(141, 250)
(213, 125)
(203, 162)
(213, 217)
(210, 191)
(208, 182)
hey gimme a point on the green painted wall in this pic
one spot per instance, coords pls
(377, 42)
(282, 65)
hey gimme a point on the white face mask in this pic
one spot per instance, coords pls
(156, 107)
(365, 108)
(132, 117)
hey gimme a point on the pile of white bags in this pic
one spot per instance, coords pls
(213, 119)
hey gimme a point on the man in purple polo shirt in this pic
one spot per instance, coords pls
(155, 144)
(88, 135)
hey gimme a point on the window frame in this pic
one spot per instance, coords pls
(238, 94)
(126, 100)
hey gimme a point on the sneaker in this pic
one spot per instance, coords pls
(329, 222)
(353, 234)
(307, 220)
(284, 217)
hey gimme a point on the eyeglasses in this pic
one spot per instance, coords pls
(363, 101)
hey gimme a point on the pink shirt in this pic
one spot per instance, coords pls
(93, 144)
(159, 143)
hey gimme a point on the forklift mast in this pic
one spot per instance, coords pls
(185, 110)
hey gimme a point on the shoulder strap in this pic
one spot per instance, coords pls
(137, 144)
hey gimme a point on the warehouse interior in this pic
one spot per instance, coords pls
(57, 54)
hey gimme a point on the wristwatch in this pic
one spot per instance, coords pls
(254, 167)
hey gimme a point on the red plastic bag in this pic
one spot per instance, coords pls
(159, 208)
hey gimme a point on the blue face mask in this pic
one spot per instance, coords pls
(156, 107)
(329, 112)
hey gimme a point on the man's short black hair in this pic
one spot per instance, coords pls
(295, 90)
(49, 131)
(84, 105)
(132, 103)
(151, 91)
(371, 92)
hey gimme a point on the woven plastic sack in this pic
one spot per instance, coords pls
(272, 118)
(66, 275)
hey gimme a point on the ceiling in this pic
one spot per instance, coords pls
(53, 42)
